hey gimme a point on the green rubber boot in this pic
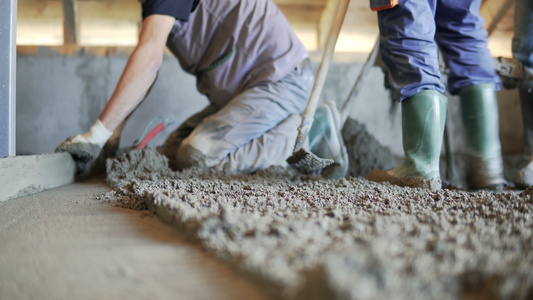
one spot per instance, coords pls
(423, 119)
(479, 110)
(524, 177)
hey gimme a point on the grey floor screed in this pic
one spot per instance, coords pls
(65, 244)
(306, 237)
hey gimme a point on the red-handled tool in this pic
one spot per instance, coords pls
(147, 137)
(151, 135)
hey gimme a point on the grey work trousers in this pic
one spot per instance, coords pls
(255, 130)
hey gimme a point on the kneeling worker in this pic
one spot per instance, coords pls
(251, 66)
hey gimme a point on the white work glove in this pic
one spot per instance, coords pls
(97, 135)
(86, 147)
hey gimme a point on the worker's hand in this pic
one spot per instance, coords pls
(85, 148)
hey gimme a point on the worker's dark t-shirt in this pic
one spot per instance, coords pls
(179, 9)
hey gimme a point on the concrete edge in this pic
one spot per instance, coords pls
(30, 174)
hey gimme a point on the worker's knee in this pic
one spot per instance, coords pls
(201, 151)
(188, 156)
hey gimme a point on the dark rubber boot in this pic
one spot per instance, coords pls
(524, 177)
(423, 119)
(479, 111)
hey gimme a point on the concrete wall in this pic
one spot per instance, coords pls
(62, 95)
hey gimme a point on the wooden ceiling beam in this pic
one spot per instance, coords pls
(70, 22)
(494, 11)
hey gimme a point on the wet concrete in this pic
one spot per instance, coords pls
(305, 237)
(365, 152)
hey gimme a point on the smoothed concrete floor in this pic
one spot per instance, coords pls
(65, 244)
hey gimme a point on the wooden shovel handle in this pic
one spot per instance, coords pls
(308, 117)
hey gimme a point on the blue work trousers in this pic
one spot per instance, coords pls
(411, 34)
(523, 32)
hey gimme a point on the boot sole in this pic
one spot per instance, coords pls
(382, 176)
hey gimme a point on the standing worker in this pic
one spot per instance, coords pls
(523, 52)
(247, 61)
(411, 32)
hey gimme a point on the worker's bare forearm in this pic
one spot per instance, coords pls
(138, 76)
(140, 72)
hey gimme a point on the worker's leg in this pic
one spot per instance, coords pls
(479, 111)
(325, 141)
(408, 49)
(462, 39)
(423, 119)
(523, 51)
(523, 32)
(254, 130)
(271, 148)
(524, 177)
(410, 54)
(174, 140)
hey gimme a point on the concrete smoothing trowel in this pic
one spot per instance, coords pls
(301, 158)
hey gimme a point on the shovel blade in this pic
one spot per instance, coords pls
(307, 162)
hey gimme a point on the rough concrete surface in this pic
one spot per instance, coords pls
(305, 237)
(65, 244)
(29, 174)
(78, 86)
